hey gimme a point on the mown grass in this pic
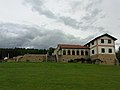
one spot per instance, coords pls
(58, 76)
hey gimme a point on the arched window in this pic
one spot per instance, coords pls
(73, 52)
(86, 52)
(78, 52)
(64, 52)
(68, 52)
(82, 52)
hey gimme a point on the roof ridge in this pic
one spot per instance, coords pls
(72, 46)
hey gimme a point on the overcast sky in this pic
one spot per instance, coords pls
(46, 23)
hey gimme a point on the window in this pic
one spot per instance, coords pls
(68, 52)
(102, 40)
(93, 43)
(86, 52)
(82, 53)
(73, 52)
(103, 50)
(93, 52)
(64, 52)
(110, 50)
(109, 41)
(77, 52)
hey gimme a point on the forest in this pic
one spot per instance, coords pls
(13, 52)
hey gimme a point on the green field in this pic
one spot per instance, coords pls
(58, 76)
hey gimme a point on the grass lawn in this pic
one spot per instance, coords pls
(58, 76)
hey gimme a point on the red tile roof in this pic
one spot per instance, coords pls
(68, 46)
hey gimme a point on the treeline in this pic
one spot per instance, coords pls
(118, 54)
(13, 52)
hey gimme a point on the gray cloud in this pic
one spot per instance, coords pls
(93, 14)
(38, 5)
(92, 10)
(70, 22)
(15, 35)
(20, 35)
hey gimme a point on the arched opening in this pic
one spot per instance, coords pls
(86, 52)
(64, 52)
(82, 52)
(68, 52)
(78, 52)
(73, 52)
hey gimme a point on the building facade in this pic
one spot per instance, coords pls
(66, 52)
(101, 50)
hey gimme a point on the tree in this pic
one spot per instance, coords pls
(51, 50)
(118, 54)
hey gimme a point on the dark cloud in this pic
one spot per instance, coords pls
(15, 35)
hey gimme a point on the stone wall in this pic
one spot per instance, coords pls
(108, 59)
(51, 58)
(32, 58)
(66, 58)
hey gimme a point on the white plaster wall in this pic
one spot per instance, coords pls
(106, 50)
(74, 50)
(55, 52)
(95, 43)
(60, 52)
(95, 51)
(105, 41)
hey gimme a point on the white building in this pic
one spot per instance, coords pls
(100, 49)
(103, 48)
